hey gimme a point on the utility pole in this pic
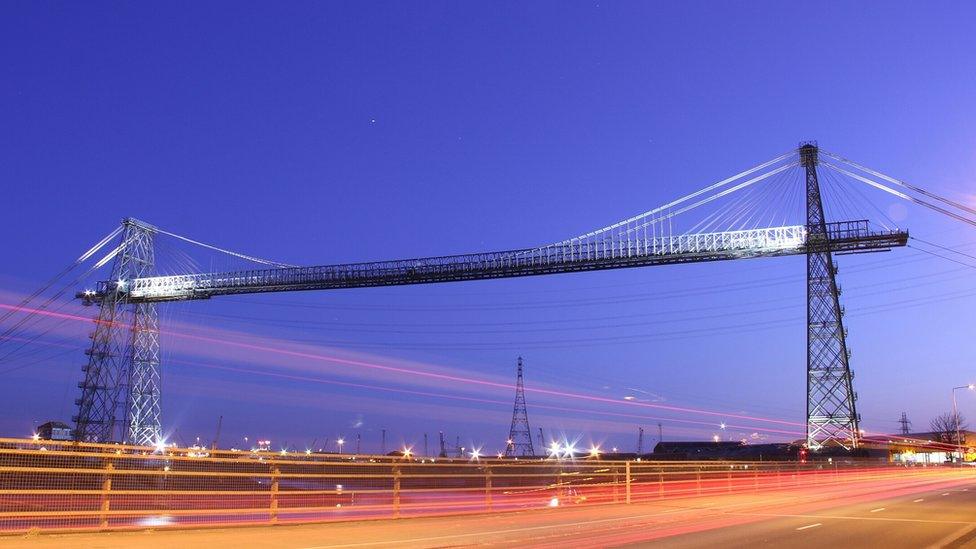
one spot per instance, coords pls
(443, 453)
(426, 453)
(660, 432)
(383, 443)
(520, 435)
(905, 424)
(640, 441)
(358, 441)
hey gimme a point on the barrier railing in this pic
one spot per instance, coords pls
(57, 486)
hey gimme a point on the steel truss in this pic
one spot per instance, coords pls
(832, 418)
(123, 365)
(559, 258)
(120, 393)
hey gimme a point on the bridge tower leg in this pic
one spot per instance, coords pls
(120, 392)
(832, 418)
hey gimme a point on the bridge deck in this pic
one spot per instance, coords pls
(564, 257)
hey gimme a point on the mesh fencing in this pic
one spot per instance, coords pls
(59, 486)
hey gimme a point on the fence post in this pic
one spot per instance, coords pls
(275, 472)
(396, 491)
(627, 481)
(106, 488)
(616, 484)
(488, 487)
(698, 480)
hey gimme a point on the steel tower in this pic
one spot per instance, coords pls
(832, 418)
(120, 393)
(519, 436)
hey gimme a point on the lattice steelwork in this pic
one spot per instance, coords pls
(120, 393)
(832, 418)
(519, 436)
(123, 366)
(610, 252)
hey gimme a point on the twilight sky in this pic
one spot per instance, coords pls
(315, 133)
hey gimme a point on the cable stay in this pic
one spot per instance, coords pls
(736, 230)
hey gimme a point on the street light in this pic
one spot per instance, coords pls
(955, 416)
(340, 442)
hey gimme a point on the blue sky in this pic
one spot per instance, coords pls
(315, 133)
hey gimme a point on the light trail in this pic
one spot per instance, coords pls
(296, 377)
(430, 375)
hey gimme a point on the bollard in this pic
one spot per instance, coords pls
(106, 488)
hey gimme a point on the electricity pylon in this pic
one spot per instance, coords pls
(519, 436)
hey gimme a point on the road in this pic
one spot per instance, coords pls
(917, 512)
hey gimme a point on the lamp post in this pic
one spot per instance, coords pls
(340, 442)
(955, 417)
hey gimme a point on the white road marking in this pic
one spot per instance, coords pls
(877, 510)
(842, 517)
(945, 493)
(919, 500)
(809, 526)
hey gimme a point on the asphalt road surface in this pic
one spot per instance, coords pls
(918, 512)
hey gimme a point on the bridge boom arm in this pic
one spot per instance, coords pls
(565, 257)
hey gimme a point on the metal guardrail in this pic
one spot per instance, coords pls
(68, 486)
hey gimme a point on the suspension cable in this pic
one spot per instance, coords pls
(900, 194)
(229, 252)
(900, 183)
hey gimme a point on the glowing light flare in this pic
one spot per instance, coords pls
(554, 449)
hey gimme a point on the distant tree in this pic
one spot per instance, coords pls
(947, 424)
